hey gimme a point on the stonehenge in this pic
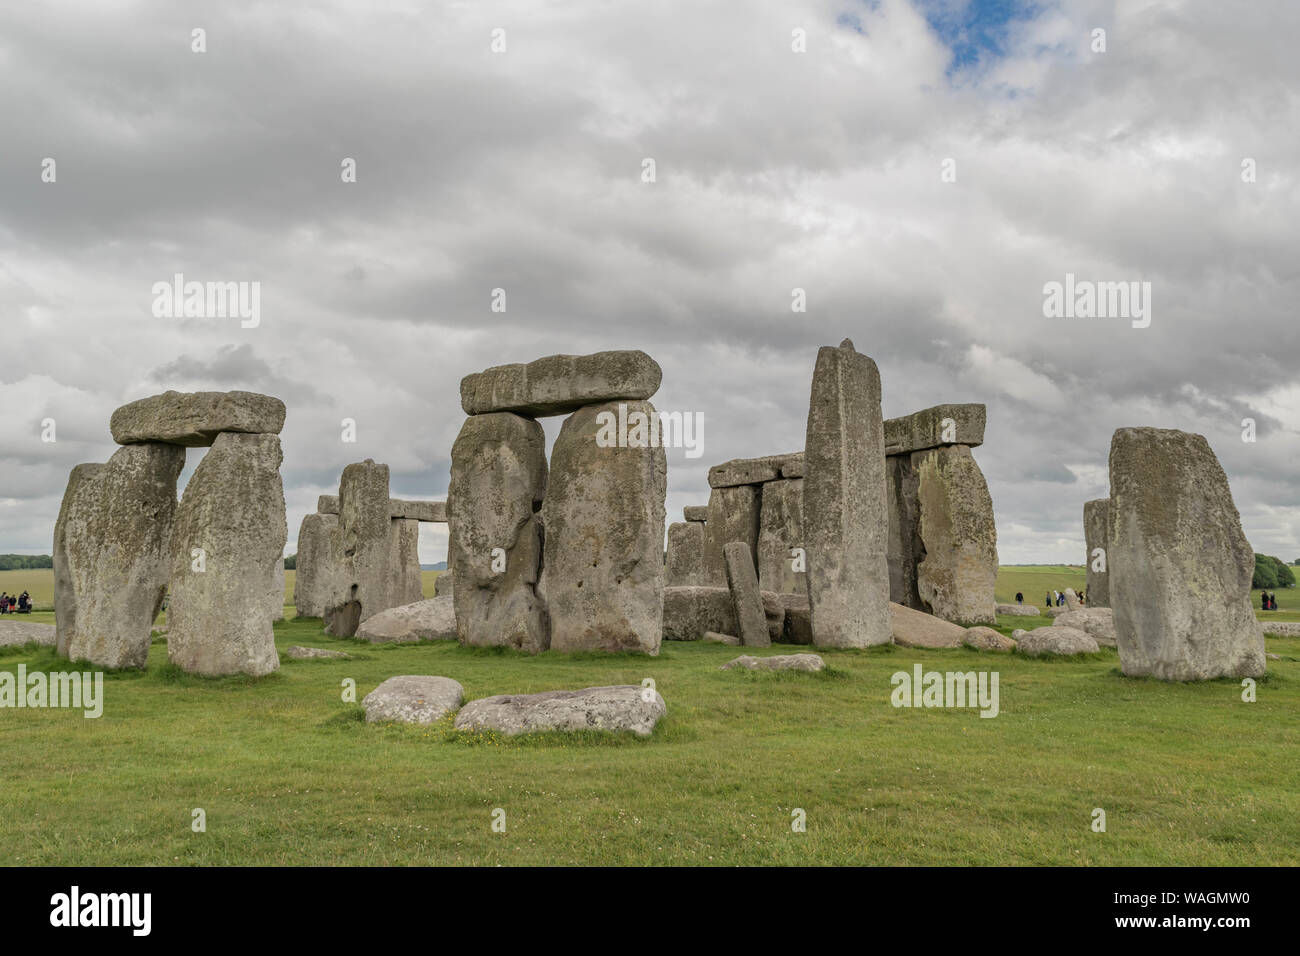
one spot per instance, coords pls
(1180, 566)
(122, 541)
(1096, 521)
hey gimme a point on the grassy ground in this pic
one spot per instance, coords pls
(288, 773)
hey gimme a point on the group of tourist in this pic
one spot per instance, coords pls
(1054, 598)
(9, 604)
(1267, 601)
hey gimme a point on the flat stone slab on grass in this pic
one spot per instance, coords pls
(299, 653)
(18, 633)
(433, 619)
(1056, 639)
(195, 419)
(1096, 621)
(1020, 610)
(781, 662)
(713, 637)
(592, 708)
(987, 639)
(913, 628)
(413, 699)
(1281, 628)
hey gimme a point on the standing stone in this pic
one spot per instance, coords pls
(1180, 565)
(845, 525)
(1071, 600)
(745, 596)
(362, 588)
(233, 509)
(405, 582)
(780, 530)
(275, 594)
(498, 478)
(112, 552)
(905, 547)
(684, 562)
(1096, 519)
(603, 576)
(957, 576)
(196, 419)
(733, 516)
(320, 556)
(559, 384)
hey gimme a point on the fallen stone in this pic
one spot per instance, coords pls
(593, 708)
(1099, 622)
(1017, 610)
(233, 510)
(1056, 611)
(1096, 521)
(603, 571)
(754, 471)
(713, 637)
(559, 384)
(195, 419)
(733, 516)
(696, 513)
(413, 699)
(913, 628)
(1180, 566)
(498, 479)
(956, 577)
(745, 598)
(780, 662)
(935, 427)
(1055, 640)
(845, 521)
(300, 653)
(432, 619)
(18, 633)
(1281, 628)
(987, 639)
(112, 555)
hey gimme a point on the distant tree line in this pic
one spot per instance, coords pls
(1271, 572)
(291, 563)
(25, 562)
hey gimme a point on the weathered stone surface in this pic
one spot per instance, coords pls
(1180, 565)
(413, 699)
(1057, 611)
(1281, 628)
(779, 662)
(593, 708)
(1017, 610)
(691, 611)
(845, 523)
(320, 557)
(405, 583)
(1099, 622)
(275, 595)
(362, 586)
(774, 613)
(1055, 640)
(112, 552)
(429, 511)
(1096, 521)
(300, 653)
(195, 419)
(17, 633)
(696, 512)
(433, 619)
(713, 637)
(905, 548)
(926, 429)
(498, 479)
(733, 516)
(780, 530)
(912, 628)
(987, 639)
(754, 471)
(683, 566)
(327, 505)
(742, 580)
(559, 384)
(1071, 600)
(798, 620)
(960, 568)
(444, 584)
(233, 509)
(603, 573)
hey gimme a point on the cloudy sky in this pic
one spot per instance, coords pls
(775, 169)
